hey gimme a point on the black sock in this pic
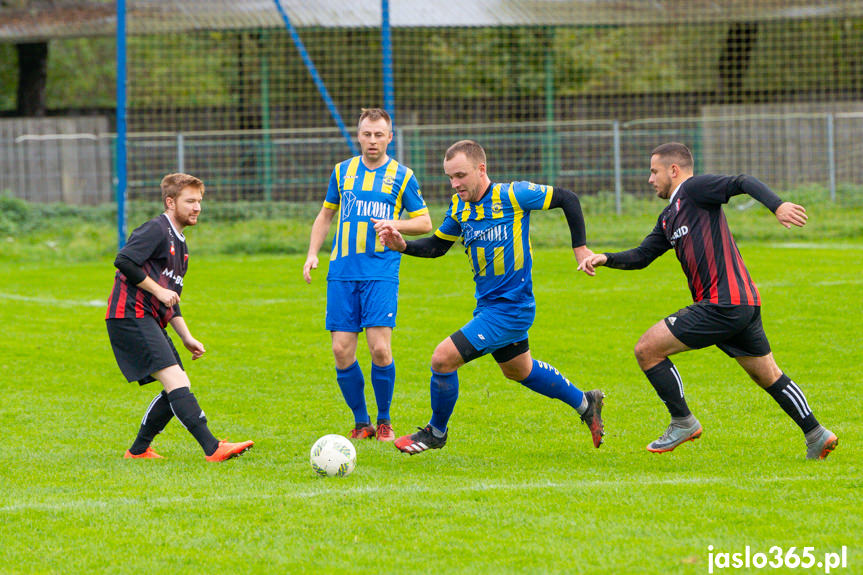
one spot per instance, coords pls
(668, 385)
(791, 399)
(186, 408)
(157, 417)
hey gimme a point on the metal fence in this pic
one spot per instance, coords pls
(57, 159)
(246, 93)
(786, 150)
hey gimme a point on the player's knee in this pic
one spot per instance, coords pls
(766, 376)
(514, 373)
(442, 362)
(644, 354)
(381, 354)
(344, 354)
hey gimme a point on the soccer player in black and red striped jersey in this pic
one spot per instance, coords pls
(144, 300)
(727, 306)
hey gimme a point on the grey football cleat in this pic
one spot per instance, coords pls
(822, 445)
(674, 436)
(593, 416)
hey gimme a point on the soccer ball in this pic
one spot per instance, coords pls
(333, 456)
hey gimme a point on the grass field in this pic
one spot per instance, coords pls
(518, 488)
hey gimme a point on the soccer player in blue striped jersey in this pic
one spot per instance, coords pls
(727, 306)
(492, 220)
(363, 276)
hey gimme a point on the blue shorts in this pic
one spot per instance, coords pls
(499, 324)
(354, 305)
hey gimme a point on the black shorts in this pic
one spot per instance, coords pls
(735, 329)
(501, 355)
(142, 347)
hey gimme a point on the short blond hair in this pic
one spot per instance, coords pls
(469, 148)
(173, 184)
(375, 114)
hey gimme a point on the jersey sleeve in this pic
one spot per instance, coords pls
(710, 189)
(450, 228)
(412, 198)
(571, 206)
(532, 196)
(653, 246)
(333, 198)
(143, 242)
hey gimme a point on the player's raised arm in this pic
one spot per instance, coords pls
(787, 213)
(653, 246)
(430, 247)
(589, 264)
(712, 189)
(571, 206)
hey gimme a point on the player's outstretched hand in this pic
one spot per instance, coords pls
(581, 254)
(589, 264)
(195, 346)
(389, 235)
(311, 264)
(790, 214)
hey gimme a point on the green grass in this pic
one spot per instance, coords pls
(519, 487)
(37, 233)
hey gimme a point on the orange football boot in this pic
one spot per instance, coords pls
(227, 450)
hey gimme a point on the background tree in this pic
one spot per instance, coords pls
(32, 66)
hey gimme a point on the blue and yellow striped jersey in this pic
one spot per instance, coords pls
(360, 194)
(496, 235)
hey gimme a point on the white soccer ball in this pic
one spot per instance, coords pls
(333, 456)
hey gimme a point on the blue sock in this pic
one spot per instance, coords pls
(444, 393)
(548, 381)
(352, 384)
(384, 382)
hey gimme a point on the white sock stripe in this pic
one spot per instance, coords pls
(799, 394)
(178, 418)
(793, 400)
(678, 378)
(150, 408)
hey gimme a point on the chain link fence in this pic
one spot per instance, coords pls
(573, 93)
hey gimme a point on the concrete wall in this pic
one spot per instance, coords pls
(56, 159)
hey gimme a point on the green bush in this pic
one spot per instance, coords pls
(45, 232)
(14, 214)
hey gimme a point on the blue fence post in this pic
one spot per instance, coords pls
(387, 66)
(120, 142)
(313, 72)
(618, 172)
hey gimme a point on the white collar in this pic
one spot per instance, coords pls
(671, 199)
(181, 237)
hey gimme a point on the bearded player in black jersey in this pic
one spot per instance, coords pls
(727, 306)
(144, 300)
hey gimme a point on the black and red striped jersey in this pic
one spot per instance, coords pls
(162, 253)
(694, 225)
